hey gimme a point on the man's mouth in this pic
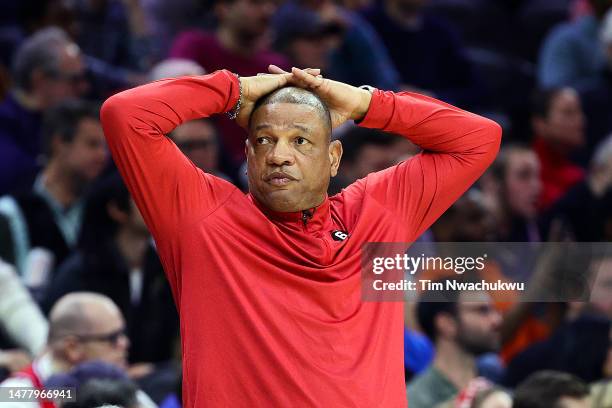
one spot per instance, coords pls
(279, 179)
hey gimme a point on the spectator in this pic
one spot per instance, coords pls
(571, 55)
(115, 257)
(356, 55)
(82, 327)
(427, 52)
(548, 389)
(512, 189)
(47, 69)
(462, 326)
(558, 124)
(239, 44)
(366, 151)
(198, 140)
(175, 67)
(584, 210)
(49, 215)
(99, 383)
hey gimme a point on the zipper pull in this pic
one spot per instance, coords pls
(306, 215)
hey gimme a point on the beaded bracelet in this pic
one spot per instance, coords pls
(234, 112)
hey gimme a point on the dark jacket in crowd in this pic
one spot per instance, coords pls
(152, 322)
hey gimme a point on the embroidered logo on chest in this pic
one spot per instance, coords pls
(338, 235)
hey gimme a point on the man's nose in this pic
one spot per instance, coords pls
(281, 155)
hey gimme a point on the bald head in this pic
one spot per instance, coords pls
(298, 96)
(80, 313)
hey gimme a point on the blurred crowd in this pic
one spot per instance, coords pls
(83, 298)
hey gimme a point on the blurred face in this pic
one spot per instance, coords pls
(247, 18)
(564, 125)
(68, 83)
(198, 141)
(473, 222)
(522, 183)
(107, 340)
(290, 159)
(85, 156)
(479, 324)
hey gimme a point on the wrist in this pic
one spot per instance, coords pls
(365, 98)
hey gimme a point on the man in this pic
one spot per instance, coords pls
(558, 124)
(547, 389)
(198, 140)
(82, 327)
(463, 327)
(268, 283)
(568, 57)
(47, 69)
(48, 216)
(425, 50)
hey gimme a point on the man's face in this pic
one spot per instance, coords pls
(564, 124)
(290, 159)
(247, 18)
(479, 324)
(522, 183)
(106, 340)
(198, 141)
(85, 156)
(68, 83)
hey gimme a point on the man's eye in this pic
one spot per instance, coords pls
(300, 141)
(262, 140)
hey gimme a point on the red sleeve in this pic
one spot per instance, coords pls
(457, 148)
(167, 187)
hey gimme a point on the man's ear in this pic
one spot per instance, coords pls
(335, 155)
(538, 124)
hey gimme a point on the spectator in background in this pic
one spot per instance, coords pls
(82, 327)
(198, 140)
(115, 257)
(366, 151)
(49, 215)
(558, 124)
(239, 44)
(352, 51)
(47, 69)
(98, 383)
(571, 55)
(427, 52)
(462, 326)
(548, 389)
(23, 328)
(585, 210)
(114, 31)
(175, 67)
(512, 189)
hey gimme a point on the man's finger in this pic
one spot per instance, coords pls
(307, 79)
(273, 69)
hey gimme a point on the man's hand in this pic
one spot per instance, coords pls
(255, 87)
(345, 102)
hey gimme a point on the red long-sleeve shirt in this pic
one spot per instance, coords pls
(270, 308)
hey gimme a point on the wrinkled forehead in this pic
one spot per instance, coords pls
(287, 117)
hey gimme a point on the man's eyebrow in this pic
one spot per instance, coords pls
(295, 125)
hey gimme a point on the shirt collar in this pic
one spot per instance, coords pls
(312, 219)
